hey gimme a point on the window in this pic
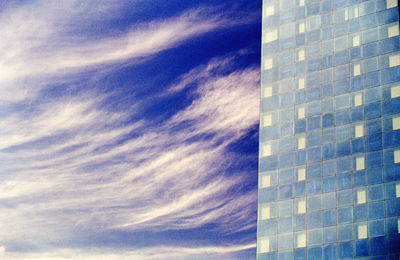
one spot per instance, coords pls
(396, 155)
(265, 212)
(356, 70)
(361, 197)
(301, 174)
(394, 60)
(301, 83)
(301, 143)
(393, 30)
(354, 12)
(396, 123)
(268, 63)
(267, 120)
(359, 131)
(267, 91)
(357, 100)
(266, 150)
(362, 231)
(356, 41)
(391, 3)
(271, 36)
(360, 163)
(266, 181)
(301, 112)
(395, 92)
(269, 10)
(398, 225)
(301, 55)
(301, 240)
(264, 245)
(301, 207)
(301, 28)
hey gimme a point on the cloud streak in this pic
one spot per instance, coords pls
(161, 179)
(152, 253)
(71, 165)
(42, 40)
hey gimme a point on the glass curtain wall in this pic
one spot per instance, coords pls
(329, 162)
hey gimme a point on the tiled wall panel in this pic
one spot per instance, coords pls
(329, 165)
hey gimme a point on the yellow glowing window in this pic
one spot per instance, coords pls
(301, 174)
(301, 207)
(358, 100)
(266, 181)
(264, 245)
(396, 123)
(396, 155)
(301, 112)
(395, 92)
(360, 163)
(266, 150)
(359, 131)
(267, 120)
(361, 197)
(393, 30)
(301, 83)
(394, 60)
(356, 41)
(391, 3)
(301, 143)
(356, 70)
(362, 231)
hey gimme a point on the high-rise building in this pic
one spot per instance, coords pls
(329, 163)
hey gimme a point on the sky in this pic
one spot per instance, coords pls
(129, 129)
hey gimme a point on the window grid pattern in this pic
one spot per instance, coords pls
(329, 165)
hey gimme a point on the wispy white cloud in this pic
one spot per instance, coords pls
(158, 180)
(150, 253)
(42, 40)
(70, 163)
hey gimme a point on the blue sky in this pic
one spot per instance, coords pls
(129, 129)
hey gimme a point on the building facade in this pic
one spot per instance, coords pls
(329, 163)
